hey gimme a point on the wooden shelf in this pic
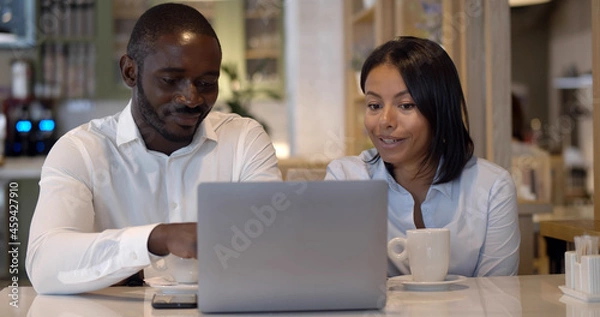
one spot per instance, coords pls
(365, 29)
(263, 53)
(127, 14)
(583, 81)
(263, 15)
(364, 16)
(361, 29)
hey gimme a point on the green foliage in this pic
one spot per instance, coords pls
(242, 93)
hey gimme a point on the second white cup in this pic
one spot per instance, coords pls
(428, 253)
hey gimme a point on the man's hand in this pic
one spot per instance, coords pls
(176, 238)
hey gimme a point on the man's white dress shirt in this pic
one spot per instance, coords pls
(479, 208)
(102, 192)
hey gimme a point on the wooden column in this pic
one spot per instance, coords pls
(498, 82)
(476, 34)
(596, 102)
(384, 21)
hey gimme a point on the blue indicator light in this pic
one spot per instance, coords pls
(23, 126)
(46, 125)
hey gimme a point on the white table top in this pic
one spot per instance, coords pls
(533, 295)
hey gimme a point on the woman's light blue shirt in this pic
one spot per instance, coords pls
(479, 208)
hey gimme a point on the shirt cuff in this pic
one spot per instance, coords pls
(134, 246)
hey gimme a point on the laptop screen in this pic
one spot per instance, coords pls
(276, 246)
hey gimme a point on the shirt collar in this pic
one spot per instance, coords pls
(206, 131)
(445, 188)
(127, 130)
(378, 171)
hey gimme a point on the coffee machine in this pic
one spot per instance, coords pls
(30, 127)
(30, 124)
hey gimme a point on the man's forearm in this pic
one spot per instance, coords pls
(91, 261)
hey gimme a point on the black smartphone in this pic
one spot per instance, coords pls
(161, 300)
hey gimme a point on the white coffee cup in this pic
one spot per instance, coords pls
(181, 270)
(428, 253)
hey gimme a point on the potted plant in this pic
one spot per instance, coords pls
(242, 93)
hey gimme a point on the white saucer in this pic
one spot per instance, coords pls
(167, 285)
(409, 284)
(580, 295)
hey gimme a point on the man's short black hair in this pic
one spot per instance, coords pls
(167, 18)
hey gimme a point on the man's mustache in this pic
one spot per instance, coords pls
(187, 110)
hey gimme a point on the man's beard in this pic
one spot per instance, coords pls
(151, 117)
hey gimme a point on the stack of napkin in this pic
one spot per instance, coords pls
(582, 266)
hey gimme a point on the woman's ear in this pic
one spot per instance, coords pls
(128, 70)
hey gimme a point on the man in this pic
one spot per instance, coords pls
(119, 192)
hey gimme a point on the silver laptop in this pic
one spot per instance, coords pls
(292, 246)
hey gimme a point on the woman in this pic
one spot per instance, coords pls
(414, 111)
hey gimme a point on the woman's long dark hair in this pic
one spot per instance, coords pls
(432, 80)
